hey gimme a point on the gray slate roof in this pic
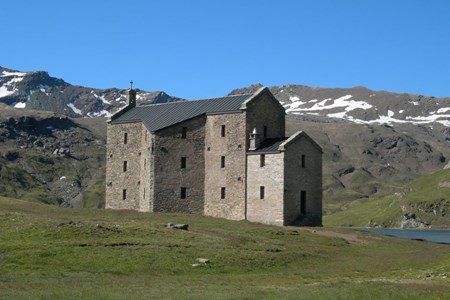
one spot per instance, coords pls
(158, 116)
(269, 145)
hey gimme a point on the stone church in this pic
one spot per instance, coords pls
(224, 157)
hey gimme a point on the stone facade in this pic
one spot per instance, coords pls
(169, 151)
(198, 159)
(225, 157)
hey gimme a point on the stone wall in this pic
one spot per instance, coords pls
(169, 177)
(118, 152)
(271, 176)
(265, 111)
(307, 179)
(233, 176)
(146, 190)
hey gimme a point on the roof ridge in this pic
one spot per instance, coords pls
(227, 96)
(195, 100)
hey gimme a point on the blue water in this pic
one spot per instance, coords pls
(436, 236)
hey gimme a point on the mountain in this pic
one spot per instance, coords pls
(37, 90)
(360, 105)
(375, 142)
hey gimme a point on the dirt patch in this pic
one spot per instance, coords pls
(351, 238)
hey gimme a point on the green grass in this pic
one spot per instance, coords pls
(49, 252)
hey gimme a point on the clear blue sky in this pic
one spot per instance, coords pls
(205, 48)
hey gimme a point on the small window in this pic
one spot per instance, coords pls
(265, 131)
(124, 194)
(262, 160)
(303, 161)
(223, 131)
(183, 193)
(261, 192)
(222, 193)
(183, 162)
(183, 132)
(125, 165)
(145, 164)
(144, 193)
(222, 162)
(125, 138)
(303, 202)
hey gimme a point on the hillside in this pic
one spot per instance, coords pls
(423, 203)
(53, 253)
(51, 158)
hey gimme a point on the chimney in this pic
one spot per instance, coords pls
(132, 98)
(254, 140)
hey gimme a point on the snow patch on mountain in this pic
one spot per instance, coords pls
(9, 87)
(342, 106)
(75, 110)
(102, 113)
(19, 104)
(6, 73)
(102, 98)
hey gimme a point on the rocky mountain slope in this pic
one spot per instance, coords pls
(37, 90)
(51, 158)
(360, 105)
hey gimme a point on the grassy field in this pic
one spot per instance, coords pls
(47, 252)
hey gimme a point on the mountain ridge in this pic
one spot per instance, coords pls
(363, 159)
(37, 90)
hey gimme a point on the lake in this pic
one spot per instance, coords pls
(436, 236)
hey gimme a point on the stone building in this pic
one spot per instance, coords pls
(224, 157)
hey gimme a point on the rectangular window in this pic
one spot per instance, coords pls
(183, 162)
(145, 164)
(303, 161)
(125, 164)
(262, 160)
(222, 193)
(223, 131)
(261, 192)
(303, 202)
(183, 193)
(265, 131)
(144, 193)
(125, 138)
(222, 161)
(183, 132)
(124, 194)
